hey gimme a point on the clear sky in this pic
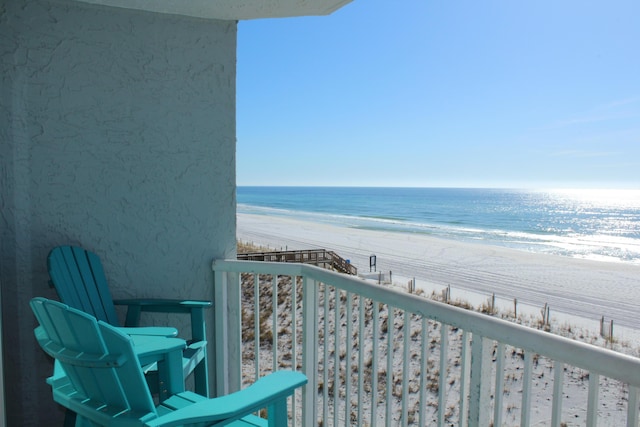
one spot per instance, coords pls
(443, 93)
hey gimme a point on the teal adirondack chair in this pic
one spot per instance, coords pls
(98, 376)
(79, 279)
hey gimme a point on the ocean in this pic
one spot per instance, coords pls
(591, 224)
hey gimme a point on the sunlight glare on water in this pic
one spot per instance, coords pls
(616, 198)
(605, 223)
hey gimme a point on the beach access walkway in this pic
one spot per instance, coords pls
(319, 257)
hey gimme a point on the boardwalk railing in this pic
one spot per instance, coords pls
(378, 356)
(320, 257)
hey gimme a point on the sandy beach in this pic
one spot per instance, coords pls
(573, 288)
(578, 291)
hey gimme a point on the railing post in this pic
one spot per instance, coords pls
(558, 379)
(525, 407)
(442, 378)
(220, 315)
(228, 329)
(234, 303)
(480, 384)
(592, 399)
(464, 380)
(309, 351)
(499, 388)
(632, 407)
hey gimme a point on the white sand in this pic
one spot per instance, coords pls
(574, 288)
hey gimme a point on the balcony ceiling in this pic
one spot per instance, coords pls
(230, 9)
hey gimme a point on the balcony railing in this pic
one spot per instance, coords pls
(376, 356)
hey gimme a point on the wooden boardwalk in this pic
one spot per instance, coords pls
(320, 257)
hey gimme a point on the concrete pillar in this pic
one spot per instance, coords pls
(117, 133)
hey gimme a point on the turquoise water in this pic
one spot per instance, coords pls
(593, 224)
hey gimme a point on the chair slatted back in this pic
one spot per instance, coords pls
(79, 279)
(99, 361)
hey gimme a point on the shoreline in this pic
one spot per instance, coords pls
(573, 288)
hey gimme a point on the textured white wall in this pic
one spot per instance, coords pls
(117, 133)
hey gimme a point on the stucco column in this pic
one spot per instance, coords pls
(117, 133)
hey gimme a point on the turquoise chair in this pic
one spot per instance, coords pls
(80, 281)
(99, 377)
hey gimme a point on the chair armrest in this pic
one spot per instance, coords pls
(137, 306)
(156, 331)
(151, 348)
(267, 391)
(164, 305)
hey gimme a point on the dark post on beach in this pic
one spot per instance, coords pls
(372, 263)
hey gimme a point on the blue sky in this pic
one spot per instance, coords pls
(442, 93)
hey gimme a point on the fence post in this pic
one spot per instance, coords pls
(611, 332)
(548, 316)
(545, 315)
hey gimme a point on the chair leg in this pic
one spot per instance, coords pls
(277, 413)
(201, 377)
(198, 333)
(171, 377)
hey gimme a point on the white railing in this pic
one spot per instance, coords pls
(457, 367)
